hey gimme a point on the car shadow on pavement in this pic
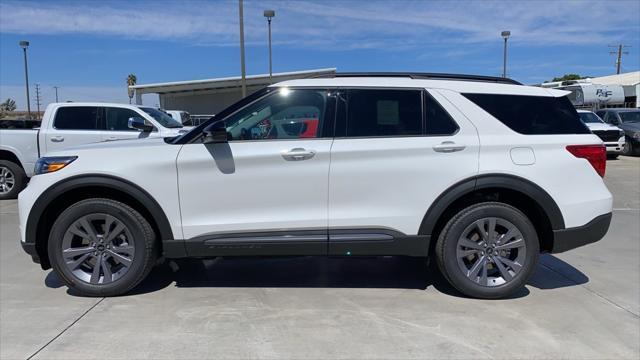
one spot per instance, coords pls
(329, 272)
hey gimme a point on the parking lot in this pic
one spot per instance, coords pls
(581, 304)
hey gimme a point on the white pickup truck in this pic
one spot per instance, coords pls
(68, 124)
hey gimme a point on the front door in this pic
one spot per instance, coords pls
(117, 124)
(264, 192)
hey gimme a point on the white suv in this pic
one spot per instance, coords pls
(480, 172)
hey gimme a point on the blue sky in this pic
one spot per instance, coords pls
(87, 48)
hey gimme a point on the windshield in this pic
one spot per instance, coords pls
(630, 116)
(590, 118)
(161, 117)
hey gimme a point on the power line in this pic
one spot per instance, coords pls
(38, 100)
(619, 52)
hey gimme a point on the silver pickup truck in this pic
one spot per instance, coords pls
(68, 124)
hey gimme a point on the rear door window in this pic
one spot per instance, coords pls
(532, 115)
(77, 118)
(438, 120)
(372, 112)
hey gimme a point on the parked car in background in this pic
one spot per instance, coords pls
(182, 116)
(447, 166)
(629, 121)
(69, 124)
(19, 124)
(612, 136)
(200, 118)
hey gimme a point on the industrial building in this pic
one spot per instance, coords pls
(210, 96)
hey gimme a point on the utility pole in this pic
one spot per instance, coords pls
(24, 45)
(244, 75)
(619, 54)
(38, 101)
(56, 87)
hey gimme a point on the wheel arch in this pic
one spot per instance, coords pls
(519, 192)
(10, 156)
(68, 191)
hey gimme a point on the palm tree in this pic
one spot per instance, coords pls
(131, 81)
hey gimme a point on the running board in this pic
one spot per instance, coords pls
(335, 242)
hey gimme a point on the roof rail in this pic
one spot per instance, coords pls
(434, 76)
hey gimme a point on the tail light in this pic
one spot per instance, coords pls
(596, 155)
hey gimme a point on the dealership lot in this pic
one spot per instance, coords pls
(581, 304)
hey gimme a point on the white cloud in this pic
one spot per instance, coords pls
(349, 24)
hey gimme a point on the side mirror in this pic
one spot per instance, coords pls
(215, 133)
(140, 124)
(614, 121)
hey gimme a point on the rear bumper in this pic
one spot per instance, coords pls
(571, 238)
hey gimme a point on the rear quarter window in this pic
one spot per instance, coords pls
(532, 115)
(76, 118)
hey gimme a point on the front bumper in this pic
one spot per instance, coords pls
(30, 248)
(615, 147)
(571, 238)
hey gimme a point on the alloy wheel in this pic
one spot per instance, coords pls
(7, 180)
(98, 248)
(491, 251)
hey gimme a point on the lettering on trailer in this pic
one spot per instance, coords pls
(603, 94)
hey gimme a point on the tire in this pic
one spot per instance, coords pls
(12, 179)
(126, 253)
(628, 149)
(491, 281)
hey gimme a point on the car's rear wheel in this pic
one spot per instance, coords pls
(12, 179)
(101, 247)
(488, 250)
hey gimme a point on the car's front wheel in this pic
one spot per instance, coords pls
(628, 149)
(488, 250)
(12, 179)
(101, 247)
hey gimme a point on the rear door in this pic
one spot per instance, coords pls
(73, 125)
(395, 152)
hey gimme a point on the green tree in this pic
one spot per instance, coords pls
(7, 106)
(131, 81)
(567, 77)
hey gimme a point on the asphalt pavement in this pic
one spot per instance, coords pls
(581, 304)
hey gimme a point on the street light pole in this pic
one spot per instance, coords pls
(505, 34)
(269, 14)
(56, 87)
(24, 45)
(244, 75)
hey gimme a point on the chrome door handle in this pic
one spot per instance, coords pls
(298, 154)
(57, 139)
(448, 147)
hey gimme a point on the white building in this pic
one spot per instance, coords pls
(209, 96)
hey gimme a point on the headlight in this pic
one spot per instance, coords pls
(46, 165)
(621, 132)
